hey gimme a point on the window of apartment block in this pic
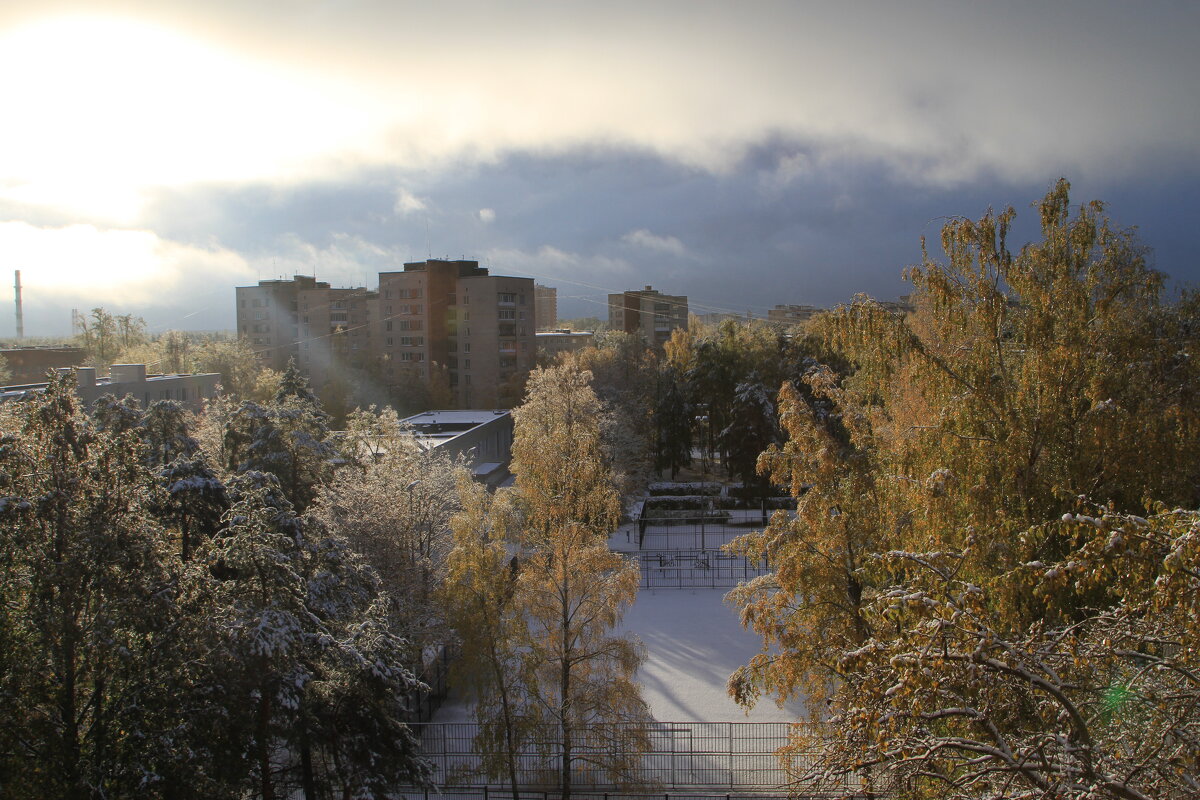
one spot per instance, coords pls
(466, 347)
(389, 341)
(388, 325)
(507, 313)
(466, 316)
(466, 363)
(521, 299)
(258, 304)
(466, 299)
(508, 297)
(406, 356)
(520, 315)
(418, 356)
(467, 380)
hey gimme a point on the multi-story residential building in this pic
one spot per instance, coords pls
(323, 328)
(335, 331)
(545, 305)
(448, 317)
(648, 313)
(454, 315)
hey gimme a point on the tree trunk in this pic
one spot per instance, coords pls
(266, 787)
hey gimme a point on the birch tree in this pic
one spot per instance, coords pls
(571, 588)
(483, 609)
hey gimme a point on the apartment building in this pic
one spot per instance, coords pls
(648, 313)
(452, 317)
(480, 327)
(545, 306)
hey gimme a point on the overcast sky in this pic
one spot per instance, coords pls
(153, 155)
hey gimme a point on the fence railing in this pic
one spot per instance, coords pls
(726, 755)
(489, 793)
(696, 569)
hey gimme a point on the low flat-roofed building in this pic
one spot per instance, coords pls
(131, 379)
(482, 437)
(563, 340)
(30, 364)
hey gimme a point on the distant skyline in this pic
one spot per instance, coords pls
(157, 154)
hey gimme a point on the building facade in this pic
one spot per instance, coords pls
(132, 379)
(792, 314)
(552, 343)
(433, 320)
(545, 306)
(648, 313)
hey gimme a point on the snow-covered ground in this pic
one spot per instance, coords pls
(693, 642)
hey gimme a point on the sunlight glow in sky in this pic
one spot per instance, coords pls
(108, 107)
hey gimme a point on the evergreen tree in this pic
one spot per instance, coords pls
(89, 618)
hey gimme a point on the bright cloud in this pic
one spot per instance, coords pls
(662, 244)
(119, 268)
(407, 202)
(487, 216)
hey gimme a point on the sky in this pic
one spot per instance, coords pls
(154, 155)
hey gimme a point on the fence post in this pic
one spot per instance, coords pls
(485, 792)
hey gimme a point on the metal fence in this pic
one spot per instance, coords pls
(727, 755)
(696, 569)
(489, 793)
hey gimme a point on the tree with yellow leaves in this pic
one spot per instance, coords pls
(572, 590)
(1022, 382)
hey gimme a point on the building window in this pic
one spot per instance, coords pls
(507, 313)
(389, 341)
(466, 347)
(406, 356)
(388, 326)
(466, 363)
(508, 297)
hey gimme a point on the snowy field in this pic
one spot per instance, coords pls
(693, 642)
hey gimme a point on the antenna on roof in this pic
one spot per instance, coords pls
(428, 248)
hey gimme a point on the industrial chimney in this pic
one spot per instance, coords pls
(20, 313)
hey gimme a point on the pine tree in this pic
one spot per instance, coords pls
(89, 617)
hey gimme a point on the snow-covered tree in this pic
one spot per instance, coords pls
(323, 673)
(395, 510)
(89, 619)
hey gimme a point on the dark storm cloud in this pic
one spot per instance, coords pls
(789, 223)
